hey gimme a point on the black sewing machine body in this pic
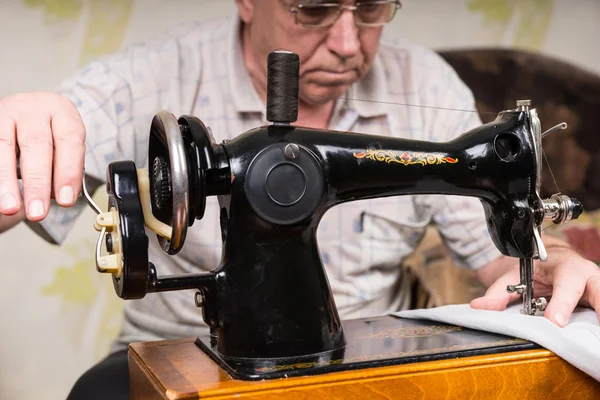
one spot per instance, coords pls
(270, 298)
(270, 221)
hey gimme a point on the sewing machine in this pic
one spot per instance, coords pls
(269, 307)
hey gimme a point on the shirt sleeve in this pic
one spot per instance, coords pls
(459, 219)
(116, 97)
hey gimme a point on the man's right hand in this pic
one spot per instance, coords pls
(47, 134)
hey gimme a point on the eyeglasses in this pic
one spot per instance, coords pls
(366, 13)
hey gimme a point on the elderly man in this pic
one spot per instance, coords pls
(217, 71)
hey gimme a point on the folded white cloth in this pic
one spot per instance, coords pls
(578, 342)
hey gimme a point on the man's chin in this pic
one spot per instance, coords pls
(319, 95)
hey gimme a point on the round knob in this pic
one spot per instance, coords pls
(577, 208)
(161, 182)
(286, 184)
(561, 208)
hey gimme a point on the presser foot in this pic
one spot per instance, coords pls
(531, 305)
(535, 305)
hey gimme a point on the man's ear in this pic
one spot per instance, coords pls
(245, 9)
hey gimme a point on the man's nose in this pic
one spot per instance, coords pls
(343, 36)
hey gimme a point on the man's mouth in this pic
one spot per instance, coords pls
(331, 77)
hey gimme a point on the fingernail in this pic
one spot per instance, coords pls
(560, 319)
(65, 196)
(8, 201)
(36, 209)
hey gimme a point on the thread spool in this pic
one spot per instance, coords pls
(283, 70)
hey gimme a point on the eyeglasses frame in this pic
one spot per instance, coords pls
(294, 8)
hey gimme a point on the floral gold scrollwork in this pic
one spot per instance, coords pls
(405, 157)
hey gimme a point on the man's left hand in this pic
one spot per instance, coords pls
(566, 276)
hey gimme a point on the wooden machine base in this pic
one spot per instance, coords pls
(180, 369)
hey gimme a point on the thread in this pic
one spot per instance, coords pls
(315, 96)
(283, 71)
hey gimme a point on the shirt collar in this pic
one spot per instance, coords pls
(363, 96)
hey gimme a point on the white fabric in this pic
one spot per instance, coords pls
(578, 342)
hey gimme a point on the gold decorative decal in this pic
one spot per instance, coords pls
(406, 157)
(438, 350)
(412, 331)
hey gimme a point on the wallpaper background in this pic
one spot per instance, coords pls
(58, 316)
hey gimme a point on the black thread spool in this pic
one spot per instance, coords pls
(283, 69)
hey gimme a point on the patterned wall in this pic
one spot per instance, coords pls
(57, 310)
(526, 21)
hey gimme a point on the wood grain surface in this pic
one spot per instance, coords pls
(178, 369)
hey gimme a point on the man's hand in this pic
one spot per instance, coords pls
(46, 132)
(566, 276)
(8, 221)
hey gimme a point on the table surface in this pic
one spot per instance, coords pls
(179, 369)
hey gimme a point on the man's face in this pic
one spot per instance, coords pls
(331, 58)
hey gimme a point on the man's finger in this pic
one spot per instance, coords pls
(34, 137)
(569, 285)
(592, 289)
(496, 297)
(69, 151)
(10, 195)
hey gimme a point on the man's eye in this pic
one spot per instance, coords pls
(318, 3)
(315, 10)
(369, 8)
(366, 5)
(316, 14)
(375, 12)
